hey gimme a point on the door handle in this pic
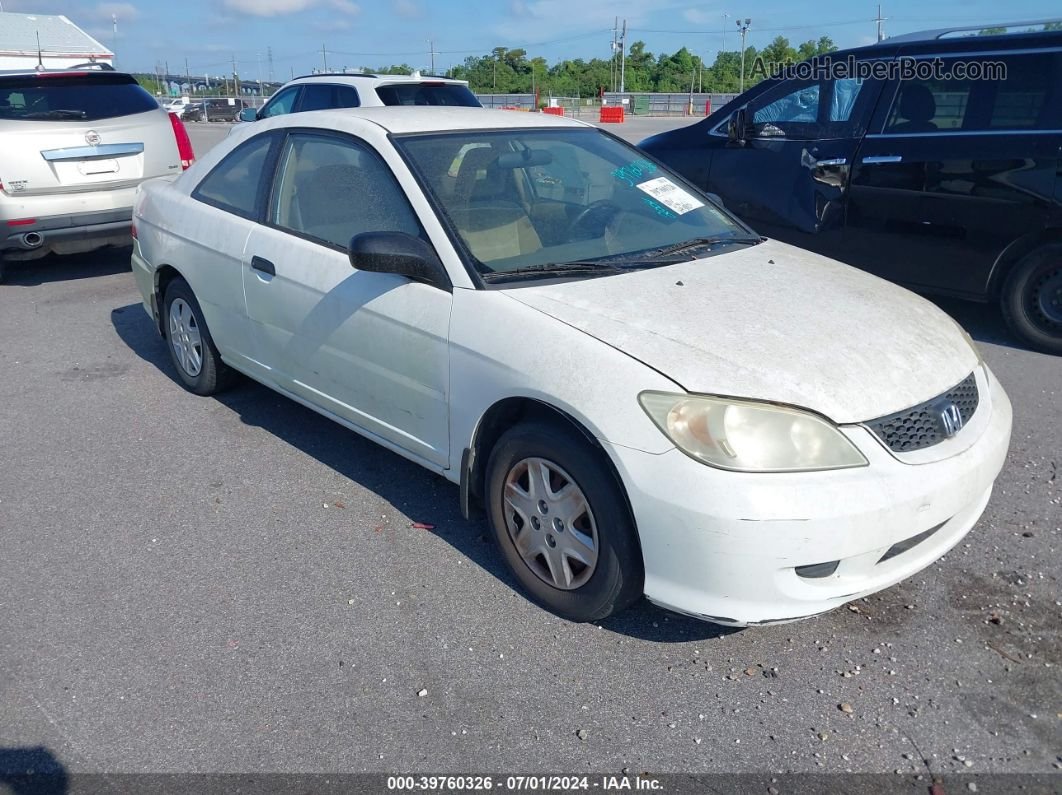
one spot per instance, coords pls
(263, 265)
(877, 160)
(833, 161)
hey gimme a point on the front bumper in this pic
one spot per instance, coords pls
(726, 546)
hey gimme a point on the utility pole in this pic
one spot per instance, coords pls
(324, 57)
(623, 59)
(879, 19)
(744, 32)
(259, 73)
(431, 48)
(188, 76)
(269, 56)
(615, 47)
(114, 37)
(235, 77)
(726, 16)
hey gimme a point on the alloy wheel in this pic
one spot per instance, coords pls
(185, 337)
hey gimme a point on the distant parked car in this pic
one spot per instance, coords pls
(74, 146)
(353, 90)
(947, 183)
(641, 394)
(214, 110)
(177, 105)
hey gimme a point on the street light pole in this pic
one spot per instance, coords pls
(744, 32)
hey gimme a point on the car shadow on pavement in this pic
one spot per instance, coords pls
(32, 771)
(411, 489)
(67, 267)
(983, 322)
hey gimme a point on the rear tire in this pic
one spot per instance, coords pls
(1032, 299)
(191, 347)
(562, 522)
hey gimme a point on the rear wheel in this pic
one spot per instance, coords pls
(562, 523)
(191, 347)
(1032, 299)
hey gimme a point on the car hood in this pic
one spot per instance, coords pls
(771, 322)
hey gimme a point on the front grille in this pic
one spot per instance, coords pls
(924, 425)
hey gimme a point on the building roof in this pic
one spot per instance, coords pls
(59, 37)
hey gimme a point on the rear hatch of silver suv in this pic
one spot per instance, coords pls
(73, 148)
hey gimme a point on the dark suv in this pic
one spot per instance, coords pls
(933, 159)
(214, 110)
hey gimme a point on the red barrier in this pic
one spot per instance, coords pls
(554, 111)
(708, 108)
(611, 114)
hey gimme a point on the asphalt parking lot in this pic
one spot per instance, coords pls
(235, 585)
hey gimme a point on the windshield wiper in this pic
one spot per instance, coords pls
(60, 113)
(588, 267)
(699, 242)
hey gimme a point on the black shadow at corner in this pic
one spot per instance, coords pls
(68, 267)
(983, 322)
(32, 771)
(417, 493)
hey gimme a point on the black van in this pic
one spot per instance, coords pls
(933, 159)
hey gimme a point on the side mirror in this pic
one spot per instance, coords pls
(248, 114)
(401, 254)
(738, 127)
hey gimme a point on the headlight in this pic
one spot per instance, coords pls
(750, 437)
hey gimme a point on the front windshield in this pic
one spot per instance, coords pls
(534, 199)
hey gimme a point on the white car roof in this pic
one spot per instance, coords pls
(427, 119)
(367, 79)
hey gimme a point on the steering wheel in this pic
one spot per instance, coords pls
(592, 220)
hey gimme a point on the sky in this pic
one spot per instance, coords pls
(210, 34)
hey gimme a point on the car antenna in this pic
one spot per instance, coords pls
(40, 56)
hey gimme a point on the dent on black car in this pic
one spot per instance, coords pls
(946, 182)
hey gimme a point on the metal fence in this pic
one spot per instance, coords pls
(635, 104)
(647, 104)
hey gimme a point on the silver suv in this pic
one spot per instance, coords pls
(358, 89)
(74, 146)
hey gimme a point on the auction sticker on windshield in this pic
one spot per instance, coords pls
(671, 195)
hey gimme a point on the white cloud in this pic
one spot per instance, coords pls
(552, 19)
(699, 17)
(269, 8)
(406, 8)
(276, 8)
(126, 12)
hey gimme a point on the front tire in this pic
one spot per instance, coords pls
(1032, 299)
(562, 523)
(191, 347)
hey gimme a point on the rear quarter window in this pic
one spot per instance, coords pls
(72, 98)
(235, 185)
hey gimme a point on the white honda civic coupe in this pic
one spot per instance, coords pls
(642, 395)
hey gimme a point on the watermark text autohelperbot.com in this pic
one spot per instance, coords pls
(903, 68)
